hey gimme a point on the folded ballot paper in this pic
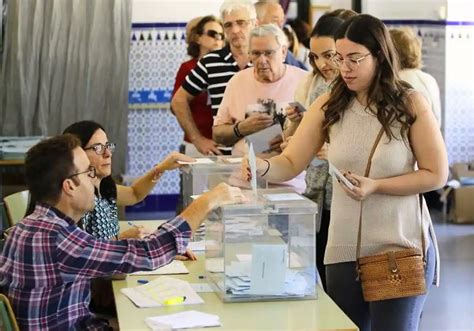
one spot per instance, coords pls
(162, 291)
(183, 320)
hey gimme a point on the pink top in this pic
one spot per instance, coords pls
(244, 91)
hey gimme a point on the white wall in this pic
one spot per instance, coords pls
(406, 9)
(170, 11)
(334, 4)
(146, 11)
(460, 10)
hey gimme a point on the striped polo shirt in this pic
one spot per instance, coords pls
(212, 73)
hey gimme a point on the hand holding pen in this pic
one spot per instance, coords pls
(135, 232)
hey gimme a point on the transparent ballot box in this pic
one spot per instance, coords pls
(209, 172)
(263, 249)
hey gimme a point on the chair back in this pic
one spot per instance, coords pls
(7, 317)
(16, 205)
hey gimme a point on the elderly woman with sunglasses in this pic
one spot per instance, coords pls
(102, 221)
(205, 34)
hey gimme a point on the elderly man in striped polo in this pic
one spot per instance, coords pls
(215, 69)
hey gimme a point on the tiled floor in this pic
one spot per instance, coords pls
(451, 306)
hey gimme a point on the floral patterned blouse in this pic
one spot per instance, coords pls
(102, 221)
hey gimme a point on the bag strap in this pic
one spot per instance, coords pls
(359, 232)
(366, 174)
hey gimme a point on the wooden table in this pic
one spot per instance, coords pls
(320, 314)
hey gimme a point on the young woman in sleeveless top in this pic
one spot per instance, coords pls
(410, 159)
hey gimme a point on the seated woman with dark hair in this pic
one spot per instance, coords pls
(102, 221)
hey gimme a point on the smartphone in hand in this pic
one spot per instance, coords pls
(333, 171)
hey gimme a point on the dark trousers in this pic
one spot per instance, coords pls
(321, 241)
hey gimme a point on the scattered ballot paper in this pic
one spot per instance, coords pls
(202, 160)
(197, 246)
(232, 160)
(283, 197)
(173, 268)
(183, 320)
(261, 139)
(202, 287)
(162, 291)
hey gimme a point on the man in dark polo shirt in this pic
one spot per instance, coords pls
(215, 69)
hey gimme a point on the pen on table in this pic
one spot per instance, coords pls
(174, 300)
(131, 224)
(142, 281)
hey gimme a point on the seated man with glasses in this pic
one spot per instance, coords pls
(48, 262)
(102, 221)
(265, 86)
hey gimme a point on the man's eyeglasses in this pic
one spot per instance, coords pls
(214, 34)
(269, 53)
(99, 148)
(239, 23)
(352, 63)
(91, 172)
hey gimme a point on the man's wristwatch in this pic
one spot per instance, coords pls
(237, 132)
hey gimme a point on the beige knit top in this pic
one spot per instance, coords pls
(389, 222)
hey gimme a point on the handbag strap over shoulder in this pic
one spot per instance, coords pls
(366, 174)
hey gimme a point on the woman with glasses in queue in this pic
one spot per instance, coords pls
(367, 99)
(316, 83)
(205, 36)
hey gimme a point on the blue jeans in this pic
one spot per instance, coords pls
(395, 314)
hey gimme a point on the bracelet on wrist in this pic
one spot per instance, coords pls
(266, 170)
(237, 132)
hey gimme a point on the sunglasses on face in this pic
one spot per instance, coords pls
(214, 34)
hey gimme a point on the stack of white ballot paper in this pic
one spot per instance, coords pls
(184, 320)
(162, 290)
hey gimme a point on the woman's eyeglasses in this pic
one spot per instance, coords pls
(90, 172)
(214, 34)
(352, 62)
(99, 148)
